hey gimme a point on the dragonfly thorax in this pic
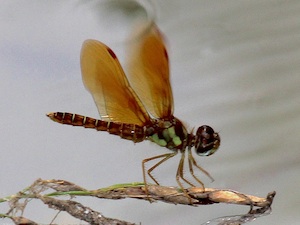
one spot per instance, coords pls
(168, 133)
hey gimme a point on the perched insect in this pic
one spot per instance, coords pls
(142, 109)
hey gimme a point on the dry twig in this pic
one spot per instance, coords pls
(198, 196)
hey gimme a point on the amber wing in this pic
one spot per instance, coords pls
(104, 77)
(148, 72)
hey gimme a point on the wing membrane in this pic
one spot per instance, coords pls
(104, 77)
(148, 69)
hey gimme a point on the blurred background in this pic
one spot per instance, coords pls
(234, 66)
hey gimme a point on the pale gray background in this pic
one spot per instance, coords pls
(235, 65)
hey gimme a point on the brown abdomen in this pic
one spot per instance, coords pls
(127, 131)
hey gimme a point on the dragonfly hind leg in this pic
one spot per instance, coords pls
(165, 158)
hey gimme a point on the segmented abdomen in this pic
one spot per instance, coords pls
(127, 131)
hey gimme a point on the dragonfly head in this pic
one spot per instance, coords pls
(207, 141)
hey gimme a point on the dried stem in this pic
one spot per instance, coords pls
(196, 196)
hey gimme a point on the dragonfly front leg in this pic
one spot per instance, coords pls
(192, 162)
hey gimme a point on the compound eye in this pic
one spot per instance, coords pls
(207, 141)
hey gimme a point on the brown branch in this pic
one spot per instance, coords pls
(193, 196)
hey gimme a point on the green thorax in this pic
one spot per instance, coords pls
(170, 134)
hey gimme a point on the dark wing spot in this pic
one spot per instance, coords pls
(111, 53)
(166, 54)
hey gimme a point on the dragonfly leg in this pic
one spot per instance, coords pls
(192, 162)
(165, 158)
(179, 174)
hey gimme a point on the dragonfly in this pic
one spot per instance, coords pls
(141, 109)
